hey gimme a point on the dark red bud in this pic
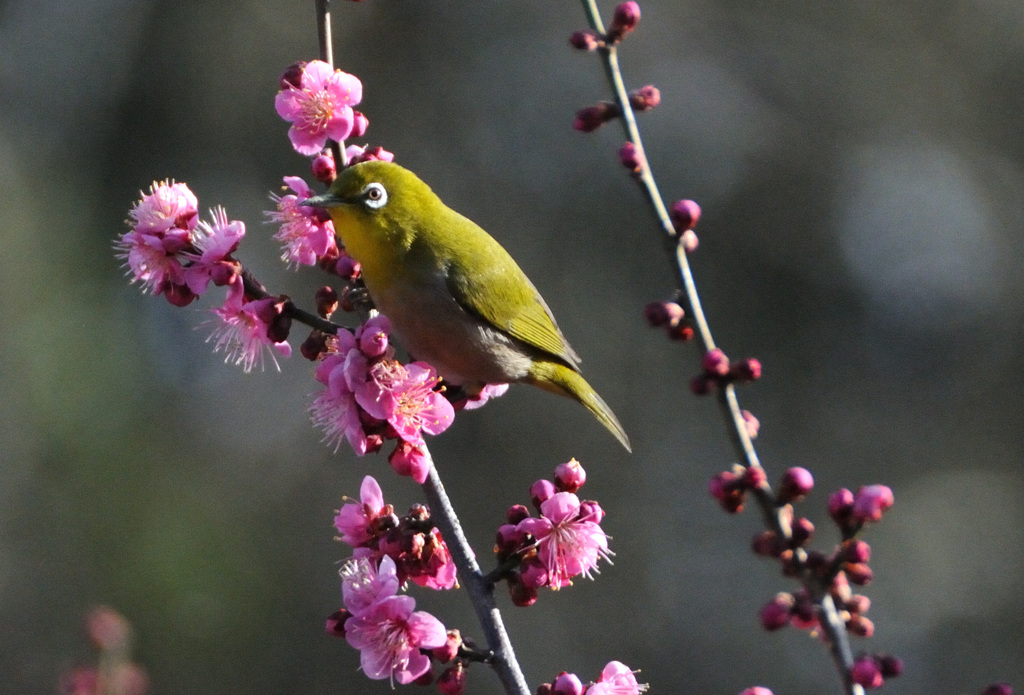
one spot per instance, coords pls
(631, 158)
(795, 484)
(860, 626)
(516, 513)
(585, 40)
(684, 214)
(803, 531)
(892, 667)
(292, 76)
(746, 370)
(625, 19)
(591, 118)
(645, 98)
(663, 313)
(323, 166)
(858, 573)
(715, 363)
(313, 346)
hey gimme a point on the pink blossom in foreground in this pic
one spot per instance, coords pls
(389, 635)
(321, 108)
(335, 410)
(418, 407)
(214, 242)
(364, 583)
(568, 544)
(161, 228)
(241, 332)
(354, 519)
(306, 234)
(617, 679)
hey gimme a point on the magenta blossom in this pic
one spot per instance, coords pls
(321, 108)
(418, 406)
(363, 583)
(214, 242)
(389, 635)
(306, 234)
(616, 679)
(162, 222)
(354, 518)
(335, 410)
(411, 461)
(242, 333)
(568, 543)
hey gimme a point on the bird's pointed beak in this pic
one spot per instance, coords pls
(326, 200)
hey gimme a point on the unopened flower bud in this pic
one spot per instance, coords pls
(681, 331)
(684, 214)
(359, 124)
(335, 624)
(313, 346)
(756, 690)
(450, 649)
(347, 267)
(178, 295)
(860, 626)
(292, 76)
(590, 118)
(871, 501)
(858, 573)
(516, 513)
(567, 684)
(585, 40)
(857, 604)
(663, 314)
(688, 240)
(865, 672)
(715, 363)
(631, 158)
(840, 507)
(728, 488)
(591, 511)
(323, 167)
(521, 595)
(541, 491)
(570, 476)
(776, 613)
(795, 484)
(751, 423)
(766, 544)
(746, 370)
(373, 343)
(452, 680)
(625, 19)
(892, 667)
(645, 98)
(803, 531)
(326, 301)
(701, 385)
(856, 551)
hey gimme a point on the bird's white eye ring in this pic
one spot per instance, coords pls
(375, 195)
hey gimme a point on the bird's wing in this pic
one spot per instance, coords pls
(501, 294)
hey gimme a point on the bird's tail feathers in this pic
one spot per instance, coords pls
(560, 379)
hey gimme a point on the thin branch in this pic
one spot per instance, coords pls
(831, 623)
(480, 590)
(323, 35)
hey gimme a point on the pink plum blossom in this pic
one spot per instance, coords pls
(214, 242)
(306, 234)
(335, 410)
(354, 519)
(162, 222)
(364, 583)
(616, 679)
(389, 634)
(242, 333)
(321, 108)
(568, 544)
(418, 407)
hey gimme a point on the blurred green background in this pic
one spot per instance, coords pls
(861, 170)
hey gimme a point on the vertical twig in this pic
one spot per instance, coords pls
(832, 625)
(323, 34)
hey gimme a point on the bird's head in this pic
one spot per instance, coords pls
(378, 199)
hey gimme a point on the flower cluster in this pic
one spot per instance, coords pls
(616, 679)
(369, 396)
(384, 625)
(171, 252)
(833, 573)
(564, 541)
(412, 542)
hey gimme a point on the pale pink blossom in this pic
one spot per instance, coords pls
(213, 243)
(241, 333)
(354, 518)
(306, 234)
(389, 635)
(335, 410)
(321, 108)
(166, 208)
(486, 393)
(568, 544)
(162, 222)
(616, 679)
(364, 583)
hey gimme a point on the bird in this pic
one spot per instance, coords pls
(454, 296)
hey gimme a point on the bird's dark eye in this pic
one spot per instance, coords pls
(375, 195)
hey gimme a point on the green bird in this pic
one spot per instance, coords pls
(454, 296)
